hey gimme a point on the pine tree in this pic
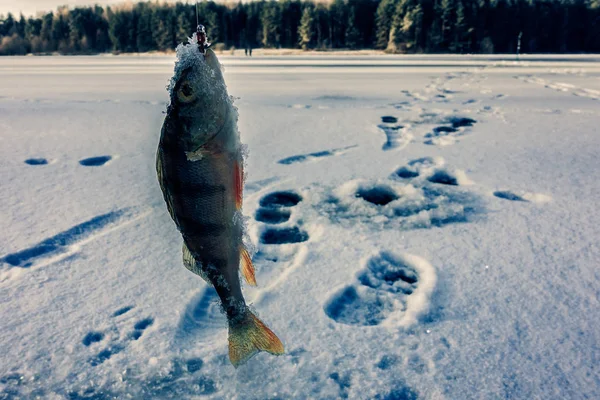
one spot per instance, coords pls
(447, 15)
(352, 33)
(460, 30)
(20, 26)
(408, 28)
(8, 27)
(338, 20)
(322, 26)
(46, 33)
(75, 22)
(402, 24)
(270, 19)
(60, 33)
(291, 17)
(306, 29)
(163, 28)
(183, 27)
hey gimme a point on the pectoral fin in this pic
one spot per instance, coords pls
(197, 155)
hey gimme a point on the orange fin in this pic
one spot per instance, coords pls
(239, 185)
(250, 336)
(247, 267)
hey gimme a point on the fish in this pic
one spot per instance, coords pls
(200, 168)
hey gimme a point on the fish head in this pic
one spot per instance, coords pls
(199, 101)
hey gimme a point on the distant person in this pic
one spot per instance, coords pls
(250, 50)
(246, 51)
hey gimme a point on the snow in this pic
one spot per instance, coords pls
(425, 227)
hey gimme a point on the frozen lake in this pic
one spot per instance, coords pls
(444, 245)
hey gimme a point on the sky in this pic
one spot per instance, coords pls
(31, 7)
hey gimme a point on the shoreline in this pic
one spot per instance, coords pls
(260, 52)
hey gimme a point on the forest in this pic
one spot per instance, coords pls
(396, 26)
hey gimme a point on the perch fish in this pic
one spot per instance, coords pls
(200, 170)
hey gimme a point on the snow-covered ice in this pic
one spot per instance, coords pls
(425, 227)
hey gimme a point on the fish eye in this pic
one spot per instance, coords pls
(186, 93)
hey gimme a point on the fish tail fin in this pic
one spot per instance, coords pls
(248, 337)
(247, 267)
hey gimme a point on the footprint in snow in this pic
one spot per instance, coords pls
(397, 135)
(314, 156)
(115, 344)
(508, 195)
(443, 177)
(92, 337)
(273, 259)
(280, 199)
(95, 161)
(391, 288)
(432, 170)
(272, 215)
(421, 194)
(275, 208)
(140, 327)
(283, 235)
(36, 161)
(379, 195)
(522, 196)
(445, 135)
(122, 310)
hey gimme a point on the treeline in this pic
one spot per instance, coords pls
(428, 26)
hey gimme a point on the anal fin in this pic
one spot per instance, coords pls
(246, 266)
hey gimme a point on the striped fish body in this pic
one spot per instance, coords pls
(201, 198)
(200, 171)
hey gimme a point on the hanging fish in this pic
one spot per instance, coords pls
(200, 170)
